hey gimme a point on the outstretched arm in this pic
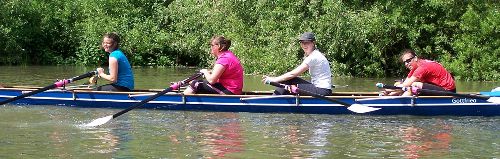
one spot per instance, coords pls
(289, 75)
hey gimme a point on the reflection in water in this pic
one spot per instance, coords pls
(319, 139)
(421, 142)
(49, 132)
(106, 143)
(223, 139)
(309, 142)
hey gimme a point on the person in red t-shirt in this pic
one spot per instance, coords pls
(226, 77)
(425, 74)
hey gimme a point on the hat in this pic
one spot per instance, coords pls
(307, 36)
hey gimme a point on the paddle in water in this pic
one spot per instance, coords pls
(357, 108)
(59, 83)
(442, 93)
(177, 85)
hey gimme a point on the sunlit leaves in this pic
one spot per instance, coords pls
(360, 38)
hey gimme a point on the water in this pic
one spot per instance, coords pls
(159, 78)
(56, 132)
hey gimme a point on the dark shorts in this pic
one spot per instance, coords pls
(304, 85)
(112, 87)
(203, 87)
(434, 87)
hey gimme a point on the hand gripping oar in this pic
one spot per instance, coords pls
(358, 108)
(59, 83)
(443, 93)
(105, 119)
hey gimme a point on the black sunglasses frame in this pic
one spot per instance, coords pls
(409, 60)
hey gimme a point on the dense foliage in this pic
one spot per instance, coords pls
(360, 38)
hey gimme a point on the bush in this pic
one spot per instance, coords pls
(361, 39)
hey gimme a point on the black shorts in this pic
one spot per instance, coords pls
(203, 87)
(433, 87)
(304, 85)
(112, 87)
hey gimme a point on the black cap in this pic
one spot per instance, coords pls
(307, 36)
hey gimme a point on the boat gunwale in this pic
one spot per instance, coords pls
(343, 95)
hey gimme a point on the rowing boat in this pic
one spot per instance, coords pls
(257, 102)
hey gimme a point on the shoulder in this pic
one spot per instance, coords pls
(317, 56)
(228, 55)
(116, 53)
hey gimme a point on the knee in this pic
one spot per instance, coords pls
(417, 84)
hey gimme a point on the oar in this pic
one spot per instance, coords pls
(444, 93)
(59, 83)
(105, 119)
(358, 108)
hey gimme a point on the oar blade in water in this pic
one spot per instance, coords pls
(358, 108)
(100, 121)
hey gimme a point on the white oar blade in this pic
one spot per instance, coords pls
(358, 108)
(99, 121)
(494, 100)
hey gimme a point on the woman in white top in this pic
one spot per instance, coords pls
(315, 62)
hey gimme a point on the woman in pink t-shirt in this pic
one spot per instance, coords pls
(226, 77)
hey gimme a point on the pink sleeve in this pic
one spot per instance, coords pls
(223, 61)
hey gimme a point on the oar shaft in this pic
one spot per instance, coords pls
(305, 92)
(357, 108)
(55, 85)
(28, 94)
(174, 86)
(435, 92)
(86, 75)
(143, 102)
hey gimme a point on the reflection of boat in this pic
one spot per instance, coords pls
(424, 142)
(260, 102)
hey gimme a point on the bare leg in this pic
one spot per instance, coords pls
(419, 85)
(188, 90)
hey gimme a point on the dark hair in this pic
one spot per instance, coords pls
(407, 51)
(114, 36)
(222, 41)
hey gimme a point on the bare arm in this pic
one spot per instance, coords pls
(214, 75)
(289, 75)
(113, 70)
(409, 81)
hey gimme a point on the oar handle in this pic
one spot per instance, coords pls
(381, 85)
(64, 82)
(86, 75)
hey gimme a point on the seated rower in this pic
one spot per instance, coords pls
(425, 74)
(120, 72)
(315, 62)
(226, 77)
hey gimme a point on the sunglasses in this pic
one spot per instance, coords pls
(407, 61)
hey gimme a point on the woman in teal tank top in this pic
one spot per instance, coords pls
(120, 72)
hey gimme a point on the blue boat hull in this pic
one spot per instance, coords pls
(423, 106)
